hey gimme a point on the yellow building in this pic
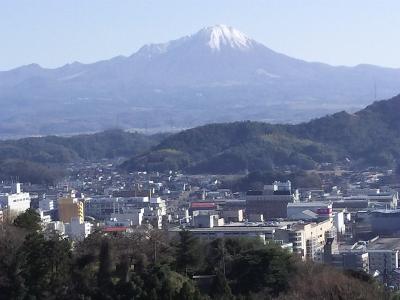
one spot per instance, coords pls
(70, 207)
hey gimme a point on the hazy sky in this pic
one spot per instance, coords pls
(56, 32)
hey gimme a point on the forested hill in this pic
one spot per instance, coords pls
(35, 159)
(370, 137)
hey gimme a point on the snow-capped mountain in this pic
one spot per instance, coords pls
(221, 36)
(217, 55)
(216, 38)
(217, 74)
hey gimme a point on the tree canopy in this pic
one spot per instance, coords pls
(117, 266)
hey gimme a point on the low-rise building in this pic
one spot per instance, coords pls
(233, 230)
(383, 261)
(233, 215)
(15, 201)
(132, 218)
(77, 230)
(358, 261)
(203, 219)
(320, 209)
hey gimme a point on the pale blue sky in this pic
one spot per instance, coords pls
(56, 32)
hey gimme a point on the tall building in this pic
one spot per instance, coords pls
(70, 207)
(15, 201)
(271, 202)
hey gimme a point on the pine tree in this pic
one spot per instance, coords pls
(188, 252)
(104, 276)
(29, 220)
(36, 268)
(220, 288)
(58, 251)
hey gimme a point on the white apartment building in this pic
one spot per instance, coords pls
(16, 201)
(308, 238)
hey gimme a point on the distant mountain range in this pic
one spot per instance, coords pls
(215, 75)
(368, 138)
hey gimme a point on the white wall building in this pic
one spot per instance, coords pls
(339, 221)
(56, 226)
(134, 218)
(17, 201)
(77, 230)
(44, 217)
(206, 220)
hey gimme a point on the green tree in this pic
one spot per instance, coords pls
(216, 256)
(104, 275)
(29, 220)
(58, 251)
(36, 268)
(262, 269)
(188, 253)
(189, 292)
(12, 283)
(45, 266)
(220, 289)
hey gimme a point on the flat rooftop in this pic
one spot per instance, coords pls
(240, 229)
(309, 204)
(385, 244)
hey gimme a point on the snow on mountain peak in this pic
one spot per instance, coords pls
(223, 35)
(214, 37)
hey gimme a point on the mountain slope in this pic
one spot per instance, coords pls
(217, 74)
(40, 159)
(54, 149)
(370, 137)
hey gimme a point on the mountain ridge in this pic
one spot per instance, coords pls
(370, 137)
(185, 83)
